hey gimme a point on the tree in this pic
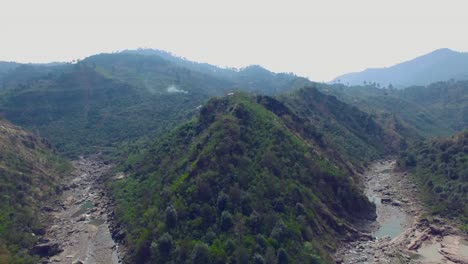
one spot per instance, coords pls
(171, 217)
(163, 247)
(258, 259)
(226, 221)
(282, 256)
(222, 201)
(200, 254)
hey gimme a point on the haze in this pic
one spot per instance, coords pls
(317, 39)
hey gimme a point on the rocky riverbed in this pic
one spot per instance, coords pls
(79, 222)
(401, 233)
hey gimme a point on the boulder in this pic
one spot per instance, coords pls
(46, 249)
(386, 200)
(118, 235)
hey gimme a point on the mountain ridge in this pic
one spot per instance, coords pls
(438, 65)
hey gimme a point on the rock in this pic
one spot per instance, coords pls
(118, 235)
(39, 231)
(43, 240)
(46, 249)
(77, 262)
(436, 230)
(396, 203)
(386, 200)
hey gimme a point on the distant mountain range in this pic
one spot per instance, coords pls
(439, 65)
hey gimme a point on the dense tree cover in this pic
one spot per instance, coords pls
(109, 99)
(252, 78)
(343, 130)
(83, 111)
(29, 173)
(440, 166)
(439, 109)
(245, 182)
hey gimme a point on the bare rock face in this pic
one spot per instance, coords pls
(46, 249)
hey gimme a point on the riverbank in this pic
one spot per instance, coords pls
(401, 232)
(79, 221)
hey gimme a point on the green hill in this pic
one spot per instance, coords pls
(247, 180)
(440, 166)
(29, 173)
(83, 111)
(439, 109)
(343, 129)
(109, 99)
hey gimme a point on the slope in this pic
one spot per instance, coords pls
(439, 65)
(109, 99)
(440, 166)
(83, 111)
(343, 129)
(252, 78)
(29, 172)
(437, 109)
(246, 181)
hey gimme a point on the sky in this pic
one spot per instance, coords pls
(316, 39)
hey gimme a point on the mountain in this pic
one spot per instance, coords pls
(252, 78)
(29, 174)
(251, 178)
(439, 65)
(343, 129)
(440, 166)
(108, 99)
(438, 109)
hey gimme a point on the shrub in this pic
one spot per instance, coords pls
(226, 221)
(171, 217)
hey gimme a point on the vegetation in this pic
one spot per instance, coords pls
(342, 130)
(109, 99)
(440, 166)
(29, 172)
(439, 109)
(237, 184)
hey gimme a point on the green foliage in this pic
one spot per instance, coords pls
(341, 129)
(109, 101)
(29, 173)
(243, 183)
(440, 166)
(438, 109)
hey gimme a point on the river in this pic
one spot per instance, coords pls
(402, 232)
(78, 220)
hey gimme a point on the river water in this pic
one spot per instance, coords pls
(379, 182)
(391, 218)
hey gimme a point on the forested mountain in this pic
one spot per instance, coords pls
(252, 78)
(439, 65)
(29, 173)
(342, 128)
(437, 109)
(110, 98)
(248, 179)
(263, 172)
(440, 166)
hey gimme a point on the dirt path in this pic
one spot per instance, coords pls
(401, 232)
(78, 222)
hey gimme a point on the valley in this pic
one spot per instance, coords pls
(78, 222)
(209, 165)
(402, 232)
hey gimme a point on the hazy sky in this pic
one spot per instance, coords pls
(318, 39)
